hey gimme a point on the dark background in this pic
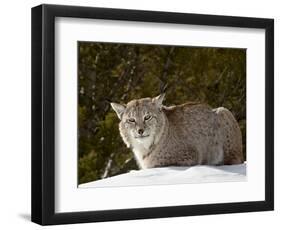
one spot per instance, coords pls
(122, 72)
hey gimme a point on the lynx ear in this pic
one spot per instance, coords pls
(118, 108)
(159, 99)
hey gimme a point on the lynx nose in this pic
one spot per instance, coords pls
(140, 131)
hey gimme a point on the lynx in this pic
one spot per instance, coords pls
(181, 135)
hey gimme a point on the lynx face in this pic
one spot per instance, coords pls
(141, 120)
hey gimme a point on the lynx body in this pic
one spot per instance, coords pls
(182, 135)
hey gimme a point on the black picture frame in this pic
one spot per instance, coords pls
(43, 114)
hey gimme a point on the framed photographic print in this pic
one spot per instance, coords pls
(141, 114)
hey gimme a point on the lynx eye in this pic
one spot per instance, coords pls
(147, 117)
(132, 120)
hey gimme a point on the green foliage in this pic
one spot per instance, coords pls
(122, 72)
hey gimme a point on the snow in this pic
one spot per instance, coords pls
(173, 175)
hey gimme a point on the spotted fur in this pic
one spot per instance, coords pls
(182, 135)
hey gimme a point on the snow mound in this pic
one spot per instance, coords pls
(173, 175)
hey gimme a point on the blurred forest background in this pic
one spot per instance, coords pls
(122, 72)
